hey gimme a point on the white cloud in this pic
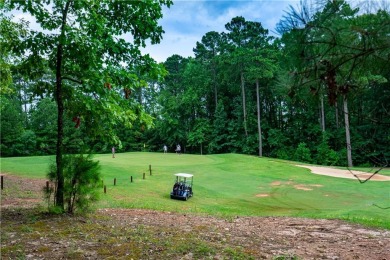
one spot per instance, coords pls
(19, 15)
(187, 21)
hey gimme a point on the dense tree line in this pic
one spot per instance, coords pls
(319, 93)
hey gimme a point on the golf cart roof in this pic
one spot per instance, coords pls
(185, 175)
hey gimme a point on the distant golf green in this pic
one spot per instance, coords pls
(228, 185)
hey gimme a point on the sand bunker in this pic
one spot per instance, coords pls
(328, 171)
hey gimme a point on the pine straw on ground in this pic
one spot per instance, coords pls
(27, 232)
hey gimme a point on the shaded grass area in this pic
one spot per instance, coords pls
(96, 236)
(228, 185)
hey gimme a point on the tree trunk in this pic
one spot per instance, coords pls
(337, 114)
(322, 114)
(347, 133)
(259, 118)
(23, 100)
(215, 88)
(60, 130)
(60, 110)
(280, 119)
(243, 102)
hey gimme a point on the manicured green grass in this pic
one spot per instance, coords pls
(30, 167)
(228, 185)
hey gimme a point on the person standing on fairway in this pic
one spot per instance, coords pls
(165, 149)
(113, 151)
(178, 149)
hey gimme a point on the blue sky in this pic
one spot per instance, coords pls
(187, 21)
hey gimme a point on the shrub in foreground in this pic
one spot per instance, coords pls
(81, 180)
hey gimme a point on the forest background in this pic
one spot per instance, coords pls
(319, 93)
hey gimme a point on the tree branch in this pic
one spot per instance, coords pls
(72, 79)
(365, 180)
(376, 205)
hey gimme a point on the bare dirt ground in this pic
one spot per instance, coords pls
(146, 234)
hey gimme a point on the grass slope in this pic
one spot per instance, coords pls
(228, 185)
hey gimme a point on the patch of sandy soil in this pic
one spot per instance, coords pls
(262, 195)
(21, 192)
(302, 187)
(328, 171)
(259, 237)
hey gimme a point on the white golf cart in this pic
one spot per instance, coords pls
(182, 189)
